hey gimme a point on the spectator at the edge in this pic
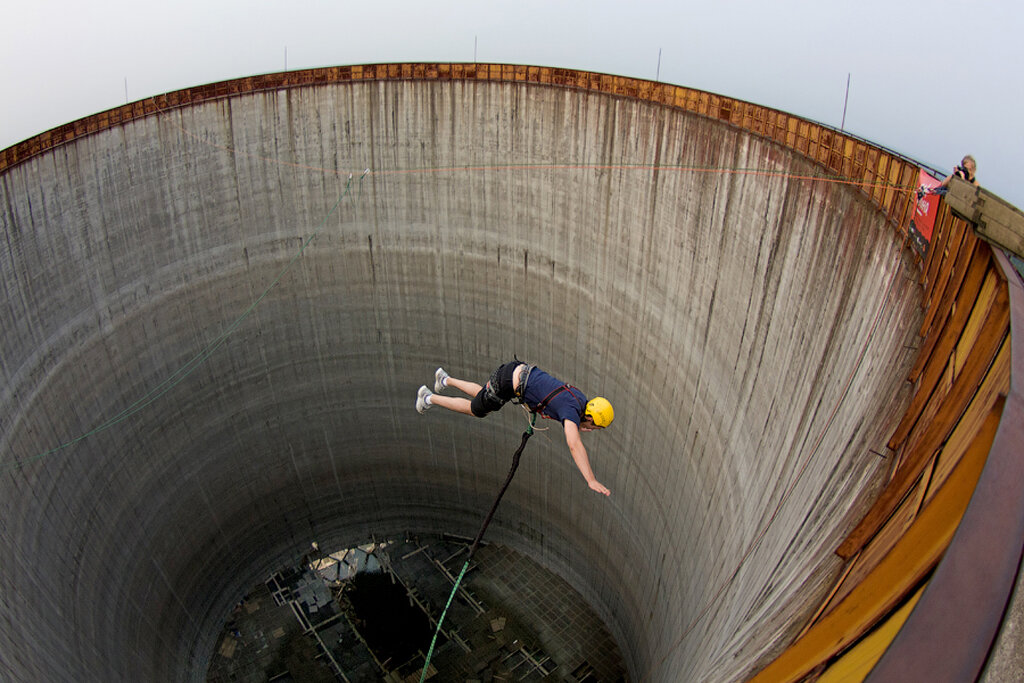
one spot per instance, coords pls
(966, 170)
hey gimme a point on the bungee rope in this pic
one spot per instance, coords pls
(476, 541)
(531, 418)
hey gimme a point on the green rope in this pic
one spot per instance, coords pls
(476, 542)
(433, 641)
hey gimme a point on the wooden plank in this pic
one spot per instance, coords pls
(970, 285)
(975, 374)
(947, 282)
(944, 226)
(968, 427)
(908, 202)
(888, 536)
(857, 663)
(939, 356)
(829, 601)
(994, 218)
(885, 199)
(958, 238)
(972, 331)
(1003, 234)
(939, 468)
(980, 315)
(965, 605)
(902, 569)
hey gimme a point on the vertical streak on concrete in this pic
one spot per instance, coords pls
(724, 314)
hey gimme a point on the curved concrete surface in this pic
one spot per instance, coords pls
(750, 328)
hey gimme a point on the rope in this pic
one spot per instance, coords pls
(200, 358)
(531, 419)
(476, 542)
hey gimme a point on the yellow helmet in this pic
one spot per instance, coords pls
(600, 411)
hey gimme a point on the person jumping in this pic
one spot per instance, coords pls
(540, 392)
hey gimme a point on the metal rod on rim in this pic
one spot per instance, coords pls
(846, 99)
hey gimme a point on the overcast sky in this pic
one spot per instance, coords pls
(933, 80)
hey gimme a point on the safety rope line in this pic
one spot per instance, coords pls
(196, 361)
(190, 366)
(719, 170)
(476, 542)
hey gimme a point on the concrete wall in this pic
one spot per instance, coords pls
(751, 330)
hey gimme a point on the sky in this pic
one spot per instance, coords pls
(933, 80)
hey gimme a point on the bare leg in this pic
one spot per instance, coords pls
(459, 405)
(465, 386)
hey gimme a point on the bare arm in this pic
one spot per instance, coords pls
(945, 181)
(579, 456)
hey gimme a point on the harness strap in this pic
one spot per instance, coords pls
(547, 399)
(520, 389)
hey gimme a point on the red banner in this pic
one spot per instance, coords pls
(924, 213)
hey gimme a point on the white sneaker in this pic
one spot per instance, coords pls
(421, 400)
(440, 377)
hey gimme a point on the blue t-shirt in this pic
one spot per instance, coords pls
(565, 405)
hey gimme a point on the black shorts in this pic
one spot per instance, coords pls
(497, 392)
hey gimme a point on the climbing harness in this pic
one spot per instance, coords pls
(547, 399)
(520, 389)
(476, 541)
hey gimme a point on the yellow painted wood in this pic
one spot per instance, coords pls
(986, 298)
(996, 383)
(929, 426)
(855, 665)
(829, 599)
(889, 535)
(908, 562)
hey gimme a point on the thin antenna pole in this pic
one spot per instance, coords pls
(474, 49)
(657, 76)
(842, 126)
(126, 90)
(285, 57)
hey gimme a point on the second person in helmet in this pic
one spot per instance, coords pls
(540, 392)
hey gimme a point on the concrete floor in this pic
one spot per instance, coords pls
(211, 344)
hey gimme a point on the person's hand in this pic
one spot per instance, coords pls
(599, 487)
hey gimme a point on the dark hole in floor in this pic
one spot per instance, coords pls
(392, 627)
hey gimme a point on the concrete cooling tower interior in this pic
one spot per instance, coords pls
(214, 325)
